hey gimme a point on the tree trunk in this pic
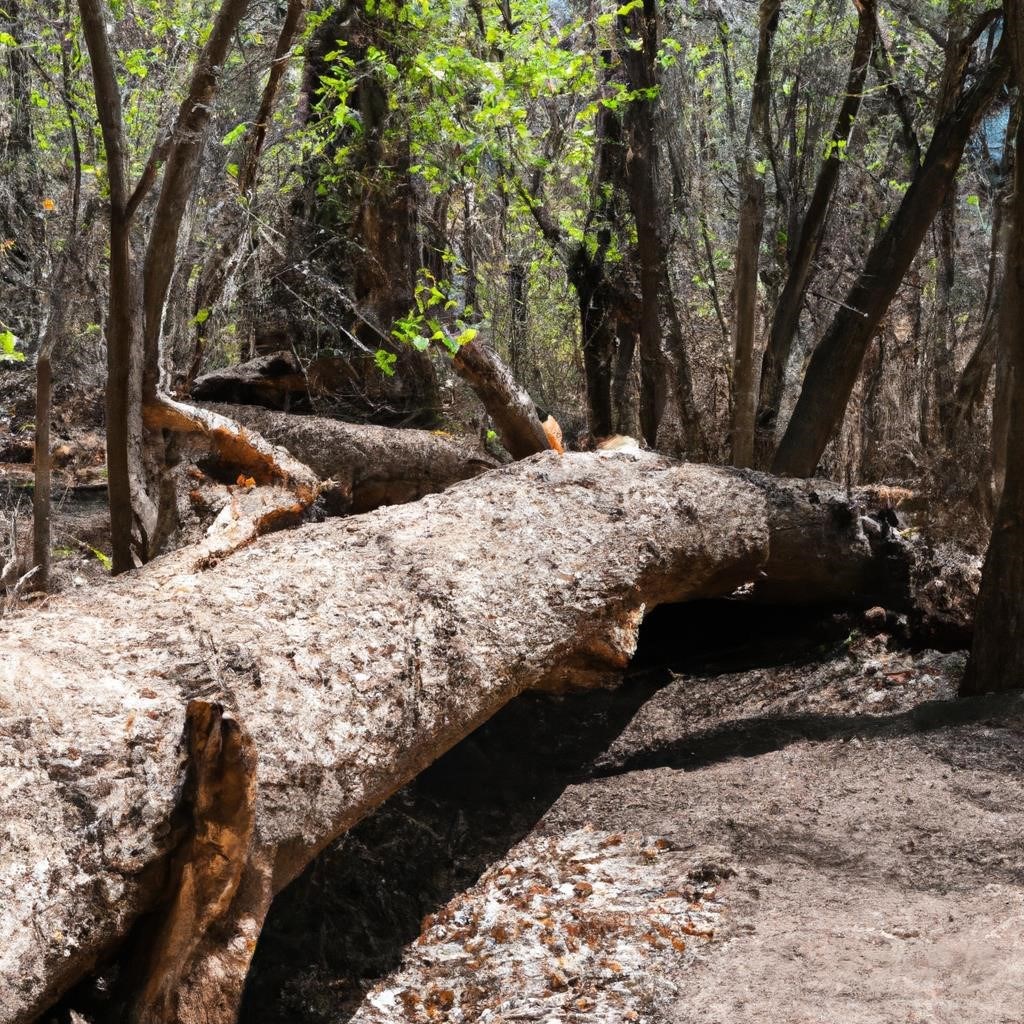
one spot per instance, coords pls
(370, 466)
(514, 414)
(639, 30)
(124, 311)
(748, 242)
(180, 744)
(808, 241)
(997, 655)
(835, 364)
(625, 382)
(518, 320)
(41, 506)
(597, 325)
(943, 343)
(136, 300)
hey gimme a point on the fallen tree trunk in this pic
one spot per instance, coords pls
(370, 466)
(514, 414)
(177, 745)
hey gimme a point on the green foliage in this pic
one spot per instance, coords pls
(433, 320)
(105, 560)
(385, 361)
(9, 348)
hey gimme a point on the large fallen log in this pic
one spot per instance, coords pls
(176, 746)
(370, 465)
(278, 380)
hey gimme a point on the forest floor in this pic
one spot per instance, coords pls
(81, 544)
(780, 819)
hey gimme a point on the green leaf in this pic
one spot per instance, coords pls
(234, 135)
(385, 361)
(201, 317)
(973, 201)
(6, 39)
(9, 348)
(105, 560)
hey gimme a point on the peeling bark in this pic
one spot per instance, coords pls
(281, 489)
(235, 444)
(351, 653)
(209, 865)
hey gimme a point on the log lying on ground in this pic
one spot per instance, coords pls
(278, 380)
(511, 408)
(178, 744)
(371, 466)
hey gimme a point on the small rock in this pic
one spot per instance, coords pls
(874, 619)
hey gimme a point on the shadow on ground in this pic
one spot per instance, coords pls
(347, 919)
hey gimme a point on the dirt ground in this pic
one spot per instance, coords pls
(804, 829)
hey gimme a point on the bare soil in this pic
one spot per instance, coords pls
(802, 826)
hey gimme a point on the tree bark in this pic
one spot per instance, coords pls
(179, 178)
(997, 655)
(748, 242)
(835, 364)
(509, 406)
(370, 466)
(125, 477)
(136, 300)
(41, 504)
(639, 30)
(808, 242)
(181, 743)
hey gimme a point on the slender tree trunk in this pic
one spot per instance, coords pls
(748, 242)
(41, 505)
(639, 31)
(786, 317)
(942, 379)
(178, 182)
(997, 655)
(835, 364)
(123, 322)
(137, 498)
